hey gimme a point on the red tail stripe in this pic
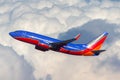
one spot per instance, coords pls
(99, 42)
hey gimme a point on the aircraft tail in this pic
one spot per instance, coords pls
(96, 44)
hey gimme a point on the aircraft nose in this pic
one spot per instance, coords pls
(16, 34)
(12, 34)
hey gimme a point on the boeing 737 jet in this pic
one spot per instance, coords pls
(45, 43)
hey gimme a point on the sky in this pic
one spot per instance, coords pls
(62, 19)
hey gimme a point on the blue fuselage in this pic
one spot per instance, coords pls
(46, 40)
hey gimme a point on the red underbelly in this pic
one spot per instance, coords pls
(28, 40)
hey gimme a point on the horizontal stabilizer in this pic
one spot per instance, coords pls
(97, 52)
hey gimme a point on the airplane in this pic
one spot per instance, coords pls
(45, 43)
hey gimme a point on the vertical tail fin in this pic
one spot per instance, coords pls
(97, 43)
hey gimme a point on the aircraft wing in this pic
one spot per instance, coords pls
(58, 45)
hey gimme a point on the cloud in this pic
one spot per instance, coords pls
(60, 18)
(93, 28)
(108, 62)
(14, 67)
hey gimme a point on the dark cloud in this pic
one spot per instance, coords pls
(112, 63)
(115, 0)
(91, 30)
(48, 77)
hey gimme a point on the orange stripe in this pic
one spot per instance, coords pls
(98, 47)
(88, 53)
(99, 43)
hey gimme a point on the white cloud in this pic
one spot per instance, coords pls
(51, 18)
(14, 67)
(4, 19)
(41, 4)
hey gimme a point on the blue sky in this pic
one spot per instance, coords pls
(60, 19)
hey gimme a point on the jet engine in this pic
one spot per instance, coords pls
(42, 47)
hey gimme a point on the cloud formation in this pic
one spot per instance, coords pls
(14, 67)
(59, 18)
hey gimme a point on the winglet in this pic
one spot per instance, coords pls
(77, 37)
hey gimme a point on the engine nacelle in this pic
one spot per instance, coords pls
(42, 47)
